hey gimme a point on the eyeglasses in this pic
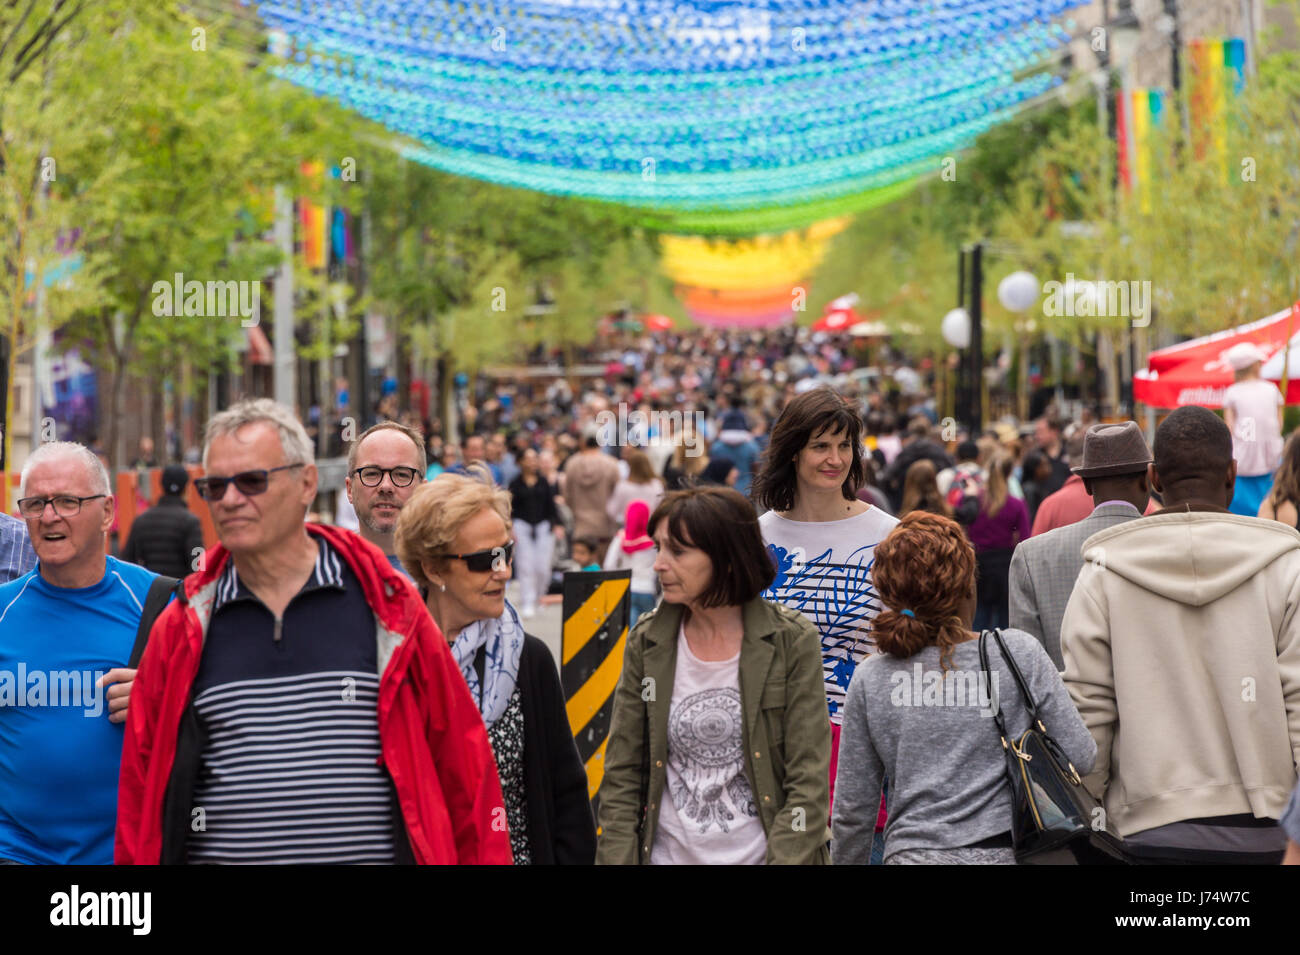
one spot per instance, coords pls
(247, 483)
(374, 476)
(482, 561)
(65, 505)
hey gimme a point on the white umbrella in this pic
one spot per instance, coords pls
(1272, 369)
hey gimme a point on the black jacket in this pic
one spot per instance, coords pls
(533, 504)
(561, 829)
(164, 537)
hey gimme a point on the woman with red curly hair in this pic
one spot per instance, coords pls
(918, 712)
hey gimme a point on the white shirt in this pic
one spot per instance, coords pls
(641, 563)
(707, 814)
(824, 572)
(1256, 437)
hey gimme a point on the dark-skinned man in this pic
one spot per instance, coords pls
(1182, 653)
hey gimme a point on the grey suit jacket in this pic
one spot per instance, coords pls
(1044, 569)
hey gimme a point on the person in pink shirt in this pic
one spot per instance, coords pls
(1071, 504)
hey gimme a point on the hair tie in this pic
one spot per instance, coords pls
(908, 613)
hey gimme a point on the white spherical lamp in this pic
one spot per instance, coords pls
(1018, 292)
(955, 328)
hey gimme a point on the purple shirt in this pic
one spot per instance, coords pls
(1008, 528)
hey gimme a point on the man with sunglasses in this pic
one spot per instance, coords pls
(67, 629)
(257, 732)
(385, 466)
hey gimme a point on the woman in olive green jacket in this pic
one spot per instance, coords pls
(719, 748)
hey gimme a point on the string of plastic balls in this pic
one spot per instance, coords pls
(713, 117)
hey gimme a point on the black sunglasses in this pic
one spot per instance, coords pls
(482, 561)
(247, 483)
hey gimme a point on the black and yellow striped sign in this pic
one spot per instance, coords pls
(596, 613)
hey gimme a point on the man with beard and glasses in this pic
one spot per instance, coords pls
(385, 467)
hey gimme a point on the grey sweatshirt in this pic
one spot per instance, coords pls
(935, 739)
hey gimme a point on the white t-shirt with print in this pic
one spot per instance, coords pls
(824, 572)
(707, 814)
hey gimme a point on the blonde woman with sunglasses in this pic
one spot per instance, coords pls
(454, 538)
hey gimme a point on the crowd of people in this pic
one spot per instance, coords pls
(801, 607)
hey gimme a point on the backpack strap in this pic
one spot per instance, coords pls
(160, 592)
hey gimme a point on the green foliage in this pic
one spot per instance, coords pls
(460, 264)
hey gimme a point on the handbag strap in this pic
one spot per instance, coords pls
(994, 703)
(1030, 704)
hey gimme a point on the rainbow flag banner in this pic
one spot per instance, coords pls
(1138, 113)
(311, 220)
(1217, 68)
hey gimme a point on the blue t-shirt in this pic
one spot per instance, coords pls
(59, 754)
(397, 565)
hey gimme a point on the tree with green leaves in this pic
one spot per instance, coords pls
(199, 134)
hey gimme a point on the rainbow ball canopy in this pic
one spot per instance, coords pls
(710, 117)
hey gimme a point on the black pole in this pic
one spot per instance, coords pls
(976, 340)
(962, 387)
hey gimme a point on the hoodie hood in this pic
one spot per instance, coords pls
(1191, 558)
(588, 470)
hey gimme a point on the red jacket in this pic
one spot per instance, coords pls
(432, 738)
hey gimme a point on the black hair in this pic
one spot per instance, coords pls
(1193, 444)
(807, 416)
(721, 522)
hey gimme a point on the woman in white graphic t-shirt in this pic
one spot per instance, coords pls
(821, 537)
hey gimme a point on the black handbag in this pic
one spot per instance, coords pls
(1054, 818)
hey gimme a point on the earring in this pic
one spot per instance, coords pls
(443, 588)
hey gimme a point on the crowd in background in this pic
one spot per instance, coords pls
(805, 544)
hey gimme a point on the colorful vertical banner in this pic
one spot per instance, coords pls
(1124, 139)
(1138, 113)
(311, 219)
(1218, 71)
(341, 251)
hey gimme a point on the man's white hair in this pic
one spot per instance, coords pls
(293, 436)
(67, 449)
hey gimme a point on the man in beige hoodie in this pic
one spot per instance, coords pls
(1182, 653)
(587, 482)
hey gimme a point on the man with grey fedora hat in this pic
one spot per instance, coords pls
(1044, 568)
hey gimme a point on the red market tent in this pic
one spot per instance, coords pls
(1194, 372)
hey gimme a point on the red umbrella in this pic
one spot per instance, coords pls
(1270, 333)
(657, 323)
(837, 321)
